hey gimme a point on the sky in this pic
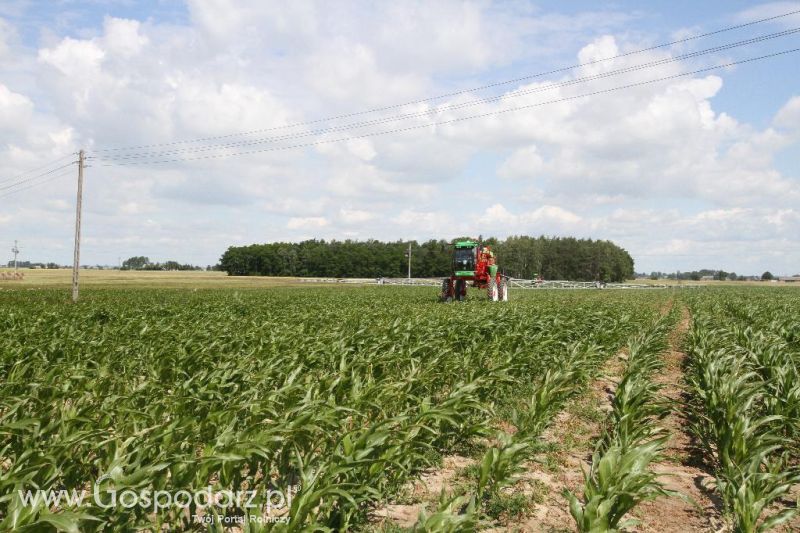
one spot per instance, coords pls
(211, 123)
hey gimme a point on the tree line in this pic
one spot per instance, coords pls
(141, 262)
(719, 275)
(518, 256)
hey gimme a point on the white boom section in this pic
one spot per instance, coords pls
(512, 283)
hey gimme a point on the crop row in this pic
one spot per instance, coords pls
(620, 477)
(743, 376)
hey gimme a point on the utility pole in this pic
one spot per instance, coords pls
(15, 251)
(77, 258)
(409, 260)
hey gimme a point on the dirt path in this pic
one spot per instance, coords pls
(567, 452)
(681, 471)
(422, 493)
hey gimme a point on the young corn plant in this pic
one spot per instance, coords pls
(635, 412)
(618, 481)
(745, 444)
(501, 464)
(454, 514)
(620, 477)
(546, 401)
(347, 394)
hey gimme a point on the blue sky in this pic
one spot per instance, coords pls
(699, 171)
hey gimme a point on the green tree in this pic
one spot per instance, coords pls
(135, 263)
(519, 256)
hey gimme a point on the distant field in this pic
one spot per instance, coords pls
(203, 279)
(153, 279)
(714, 283)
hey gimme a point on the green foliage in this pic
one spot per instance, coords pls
(743, 377)
(619, 478)
(346, 393)
(454, 514)
(556, 386)
(143, 263)
(501, 463)
(523, 257)
(135, 263)
(506, 507)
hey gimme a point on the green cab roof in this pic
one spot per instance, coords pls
(465, 244)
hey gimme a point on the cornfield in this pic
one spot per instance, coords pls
(345, 395)
(743, 376)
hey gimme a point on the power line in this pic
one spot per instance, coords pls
(51, 163)
(32, 185)
(456, 93)
(111, 162)
(11, 186)
(463, 105)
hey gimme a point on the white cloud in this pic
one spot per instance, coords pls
(361, 148)
(306, 222)
(15, 109)
(545, 220)
(123, 38)
(425, 222)
(355, 216)
(72, 57)
(211, 108)
(585, 166)
(789, 115)
(524, 163)
(59, 204)
(772, 9)
(345, 72)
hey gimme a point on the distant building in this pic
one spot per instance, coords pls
(790, 279)
(706, 278)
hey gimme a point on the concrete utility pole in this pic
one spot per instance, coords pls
(76, 262)
(15, 251)
(409, 260)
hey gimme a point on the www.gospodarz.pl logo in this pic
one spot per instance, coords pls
(270, 505)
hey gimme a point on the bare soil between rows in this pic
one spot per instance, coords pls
(568, 444)
(701, 508)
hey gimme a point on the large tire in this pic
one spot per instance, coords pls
(503, 290)
(446, 296)
(461, 290)
(492, 290)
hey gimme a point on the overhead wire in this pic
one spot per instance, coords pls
(36, 184)
(26, 180)
(455, 93)
(454, 120)
(46, 165)
(462, 105)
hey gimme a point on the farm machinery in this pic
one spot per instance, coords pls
(473, 262)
